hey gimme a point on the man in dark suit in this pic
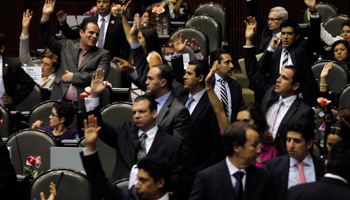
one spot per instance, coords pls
(78, 61)
(236, 177)
(11, 75)
(8, 179)
(300, 166)
(294, 51)
(280, 101)
(127, 138)
(113, 38)
(334, 184)
(268, 28)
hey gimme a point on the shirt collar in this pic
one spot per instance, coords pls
(107, 17)
(197, 96)
(277, 34)
(218, 77)
(1, 59)
(150, 133)
(330, 175)
(51, 76)
(232, 168)
(307, 160)
(161, 100)
(165, 197)
(288, 101)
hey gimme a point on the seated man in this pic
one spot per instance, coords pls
(11, 75)
(335, 183)
(236, 177)
(134, 140)
(300, 166)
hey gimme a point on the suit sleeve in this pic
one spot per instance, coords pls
(199, 188)
(178, 69)
(82, 78)
(254, 11)
(26, 83)
(24, 53)
(216, 153)
(68, 32)
(141, 66)
(47, 39)
(124, 46)
(181, 126)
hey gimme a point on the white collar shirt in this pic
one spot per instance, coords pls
(308, 167)
(233, 169)
(217, 92)
(150, 136)
(197, 97)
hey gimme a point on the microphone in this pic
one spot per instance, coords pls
(76, 19)
(59, 181)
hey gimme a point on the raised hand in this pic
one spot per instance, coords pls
(49, 7)
(124, 65)
(275, 42)
(61, 16)
(311, 4)
(325, 71)
(52, 191)
(97, 85)
(210, 76)
(178, 44)
(251, 25)
(27, 17)
(136, 26)
(36, 124)
(194, 44)
(125, 8)
(91, 130)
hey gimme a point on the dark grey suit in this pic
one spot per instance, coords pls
(279, 169)
(69, 56)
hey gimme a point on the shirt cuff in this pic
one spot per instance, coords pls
(61, 24)
(199, 56)
(270, 49)
(135, 46)
(85, 153)
(91, 103)
(315, 16)
(248, 47)
(24, 37)
(134, 75)
(176, 55)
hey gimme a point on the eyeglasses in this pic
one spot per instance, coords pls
(45, 64)
(53, 115)
(272, 19)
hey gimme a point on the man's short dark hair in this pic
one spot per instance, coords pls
(2, 40)
(291, 23)
(202, 67)
(339, 159)
(157, 168)
(165, 73)
(298, 77)
(236, 134)
(304, 127)
(66, 110)
(85, 25)
(152, 105)
(216, 55)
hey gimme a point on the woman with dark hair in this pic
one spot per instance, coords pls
(176, 10)
(344, 115)
(340, 52)
(338, 131)
(251, 113)
(61, 117)
(148, 19)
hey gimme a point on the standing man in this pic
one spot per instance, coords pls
(269, 28)
(78, 60)
(11, 74)
(112, 36)
(334, 184)
(236, 177)
(299, 166)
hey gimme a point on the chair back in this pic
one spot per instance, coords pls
(210, 26)
(74, 185)
(344, 97)
(117, 113)
(114, 76)
(325, 10)
(6, 127)
(42, 112)
(123, 184)
(338, 77)
(217, 11)
(34, 98)
(106, 97)
(333, 24)
(192, 32)
(27, 143)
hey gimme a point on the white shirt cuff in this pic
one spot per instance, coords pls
(199, 56)
(134, 75)
(91, 103)
(315, 16)
(24, 37)
(135, 46)
(249, 47)
(270, 49)
(88, 153)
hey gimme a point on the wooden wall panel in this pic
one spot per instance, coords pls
(11, 15)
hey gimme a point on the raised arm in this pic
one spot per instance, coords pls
(323, 77)
(24, 52)
(126, 25)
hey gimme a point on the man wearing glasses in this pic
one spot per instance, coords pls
(270, 28)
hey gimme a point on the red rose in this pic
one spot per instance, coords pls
(31, 160)
(84, 95)
(324, 102)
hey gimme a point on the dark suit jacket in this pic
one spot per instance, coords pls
(100, 185)
(8, 179)
(13, 74)
(69, 56)
(215, 183)
(115, 40)
(263, 29)
(323, 189)
(301, 53)
(279, 169)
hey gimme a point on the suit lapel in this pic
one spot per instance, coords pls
(162, 113)
(293, 108)
(158, 140)
(225, 179)
(90, 55)
(134, 143)
(284, 174)
(111, 22)
(203, 102)
(4, 67)
(319, 167)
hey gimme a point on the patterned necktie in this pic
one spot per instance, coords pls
(102, 34)
(239, 186)
(141, 153)
(223, 96)
(302, 178)
(285, 59)
(273, 117)
(189, 102)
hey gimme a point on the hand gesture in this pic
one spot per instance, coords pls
(178, 44)
(311, 4)
(6, 99)
(49, 7)
(37, 124)
(210, 76)
(27, 17)
(136, 26)
(67, 77)
(124, 65)
(125, 8)
(52, 190)
(325, 71)
(97, 85)
(61, 16)
(276, 42)
(251, 25)
(194, 44)
(91, 129)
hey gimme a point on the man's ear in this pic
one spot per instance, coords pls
(296, 86)
(81, 32)
(160, 183)
(309, 144)
(201, 78)
(2, 49)
(163, 82)
(298, 36)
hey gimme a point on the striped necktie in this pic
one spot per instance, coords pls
(223, 96)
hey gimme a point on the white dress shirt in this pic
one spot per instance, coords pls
(308, 167)
(233, 169)
(99, 23)
(197, 97)
(2, 86)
